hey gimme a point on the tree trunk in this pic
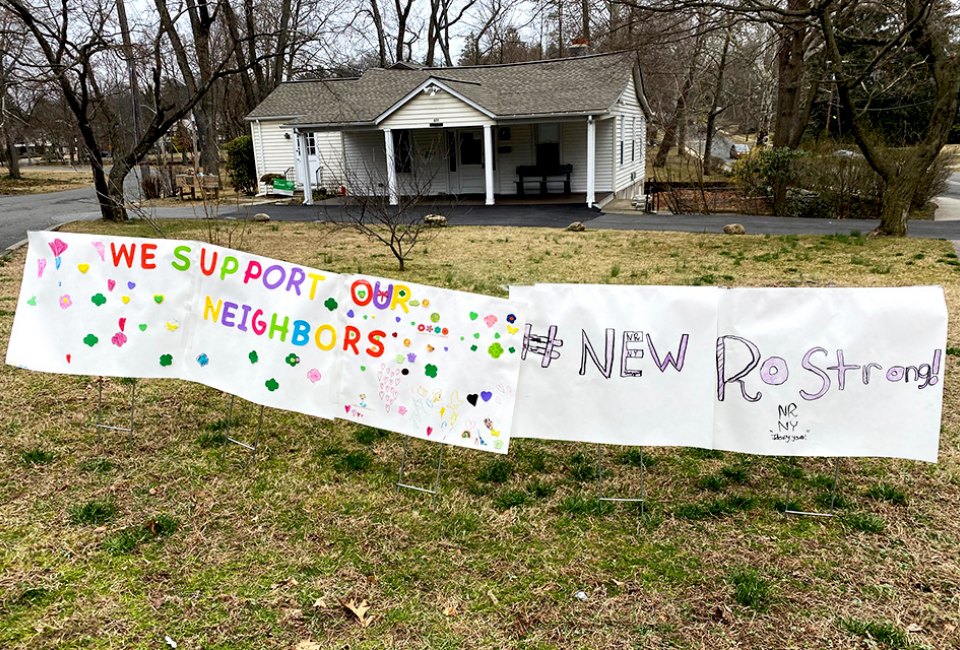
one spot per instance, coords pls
(207, 132)
(669, 139)
(715, 109)
(13, 156)
(897, 195)
(790, 62)
(585, 32)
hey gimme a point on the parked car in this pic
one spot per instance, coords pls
(739, 150)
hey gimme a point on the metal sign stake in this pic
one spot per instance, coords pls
(100, 426)
(432, 491)
(600, 497)
(833, 496)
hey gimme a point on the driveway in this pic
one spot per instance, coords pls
(18, 214)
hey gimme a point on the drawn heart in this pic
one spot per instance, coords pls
(125, 299)
(32, 301)
(158, 298)
(490, 320)
(68, 358)
(485, 395)
(472, 398)
(474, 315)
(512, 330)
(58, 246)
(429, 430)
(111, 284)
(142, 327)
(346, 408)
(123, 323)
(83, 266)
(98, 245)
(361, 293)
(41, 265)
(131, 285)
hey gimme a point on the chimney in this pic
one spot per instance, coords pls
(578, 47)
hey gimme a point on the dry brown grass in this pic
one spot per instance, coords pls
(37, 180)
(265, 554)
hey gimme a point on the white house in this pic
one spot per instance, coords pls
(575, 125)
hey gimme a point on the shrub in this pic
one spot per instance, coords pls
(241, 165)
(836, 185)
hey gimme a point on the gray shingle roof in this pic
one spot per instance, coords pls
(579, 85)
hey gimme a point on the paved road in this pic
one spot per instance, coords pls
(36, 212)
(18, 214)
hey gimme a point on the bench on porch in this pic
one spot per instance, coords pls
(543, 176)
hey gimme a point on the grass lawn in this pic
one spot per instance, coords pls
(37, 180)
(107, 542)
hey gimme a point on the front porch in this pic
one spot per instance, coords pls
(557, 162)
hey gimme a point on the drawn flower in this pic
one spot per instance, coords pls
(271, 385)
(292, 360)
(65, 301)
(313, 375)
(511, 318)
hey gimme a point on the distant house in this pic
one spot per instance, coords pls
(574, 126)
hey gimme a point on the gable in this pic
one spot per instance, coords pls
(434, 108)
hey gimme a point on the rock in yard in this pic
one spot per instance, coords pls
(435, 220)
(576, 226)
(261, 216)
(733, 229)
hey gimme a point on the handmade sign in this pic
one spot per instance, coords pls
(130, 307)
(831, 372)
(431, 363)
(617, 364)
(803, 372)
(427, 362)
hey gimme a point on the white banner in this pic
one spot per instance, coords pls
(831, 372)
(422, 361)
(617, 364)
(431, 363)
(803, 372)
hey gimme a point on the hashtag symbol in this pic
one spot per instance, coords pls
(542, 345)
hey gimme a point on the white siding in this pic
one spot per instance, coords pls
(605, 145)
(629, 174)
(365, 162)
(329, 158)
(443, 107)
(521, 153)
(274, 153)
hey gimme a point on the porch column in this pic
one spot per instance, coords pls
(591, 161)
(488, 162)
(391, 168)
(303, 171)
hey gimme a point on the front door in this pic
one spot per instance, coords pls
(467, 178)
(316, 176)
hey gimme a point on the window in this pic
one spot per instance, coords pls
(311, 144)
(633, 139)
(622, 128)
(402, 158)
(548, 146)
